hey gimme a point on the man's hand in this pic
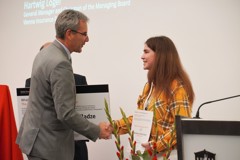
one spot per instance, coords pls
(105, 130)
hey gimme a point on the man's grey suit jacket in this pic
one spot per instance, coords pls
(47, 128)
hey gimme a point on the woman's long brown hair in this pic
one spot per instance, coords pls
(167, 67)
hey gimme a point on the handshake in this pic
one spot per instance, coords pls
(105, 130)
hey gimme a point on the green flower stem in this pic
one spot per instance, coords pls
(120, 153)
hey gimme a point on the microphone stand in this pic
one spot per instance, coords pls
(197, 114)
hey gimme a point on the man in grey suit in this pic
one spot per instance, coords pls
(81, 151)
(46, 131)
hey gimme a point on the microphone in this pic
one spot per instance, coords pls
(197, 114)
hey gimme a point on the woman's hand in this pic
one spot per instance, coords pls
(146, 146)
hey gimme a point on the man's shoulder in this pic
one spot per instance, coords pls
(27, 82)
(79, 75)
(80, 79)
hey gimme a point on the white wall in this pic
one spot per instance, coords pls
(206, 33)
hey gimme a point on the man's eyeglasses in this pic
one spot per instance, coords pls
(84, 33)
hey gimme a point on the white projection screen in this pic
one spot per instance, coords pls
(205, 32)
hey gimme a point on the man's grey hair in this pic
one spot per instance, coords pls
(68, 19)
